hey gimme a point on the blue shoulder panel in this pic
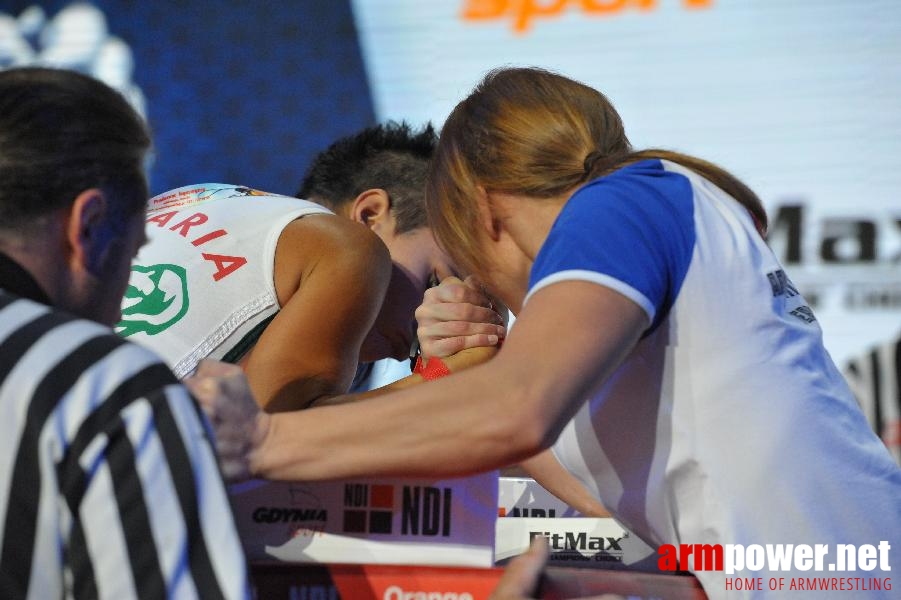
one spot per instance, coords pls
(632, 230)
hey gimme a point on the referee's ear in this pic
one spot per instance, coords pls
(88, 231)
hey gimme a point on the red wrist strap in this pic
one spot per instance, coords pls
(433, 369)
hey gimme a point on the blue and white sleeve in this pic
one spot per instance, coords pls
(634, 235)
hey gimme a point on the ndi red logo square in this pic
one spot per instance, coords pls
(368, 508)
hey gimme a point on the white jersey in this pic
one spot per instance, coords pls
(728, 423)
(875, 378)
(203, 285)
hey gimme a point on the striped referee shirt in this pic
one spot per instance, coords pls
(109, 487)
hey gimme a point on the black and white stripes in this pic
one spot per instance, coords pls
(109, 487)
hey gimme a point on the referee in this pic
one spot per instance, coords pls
(109, 486)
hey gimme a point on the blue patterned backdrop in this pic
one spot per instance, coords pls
(235, 91)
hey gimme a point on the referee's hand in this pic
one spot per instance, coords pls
(520, 578)
(523, 573)
(238, 423)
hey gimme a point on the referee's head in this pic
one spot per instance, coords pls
(72, 186)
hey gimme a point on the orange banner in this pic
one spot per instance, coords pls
(275, 581)
(524, 12)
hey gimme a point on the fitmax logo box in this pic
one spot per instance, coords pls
(375, 521)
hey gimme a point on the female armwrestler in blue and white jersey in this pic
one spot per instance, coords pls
(660, 349)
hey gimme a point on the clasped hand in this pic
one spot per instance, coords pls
(457, 315)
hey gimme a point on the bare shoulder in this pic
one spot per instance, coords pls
(321, 234)
(327, 241)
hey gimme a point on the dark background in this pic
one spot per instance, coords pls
(239, 92)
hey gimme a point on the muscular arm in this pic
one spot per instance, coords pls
(331, 276)
(568, 339)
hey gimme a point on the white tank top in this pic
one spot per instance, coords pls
(203, 285)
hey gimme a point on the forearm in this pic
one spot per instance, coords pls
(550, 474)
(400, 384)
(389, 436)
(456, 363)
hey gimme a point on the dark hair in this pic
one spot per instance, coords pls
(533, 132)
(61, 133)
(391, 157)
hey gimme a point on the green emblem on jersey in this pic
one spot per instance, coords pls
(156, 299)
